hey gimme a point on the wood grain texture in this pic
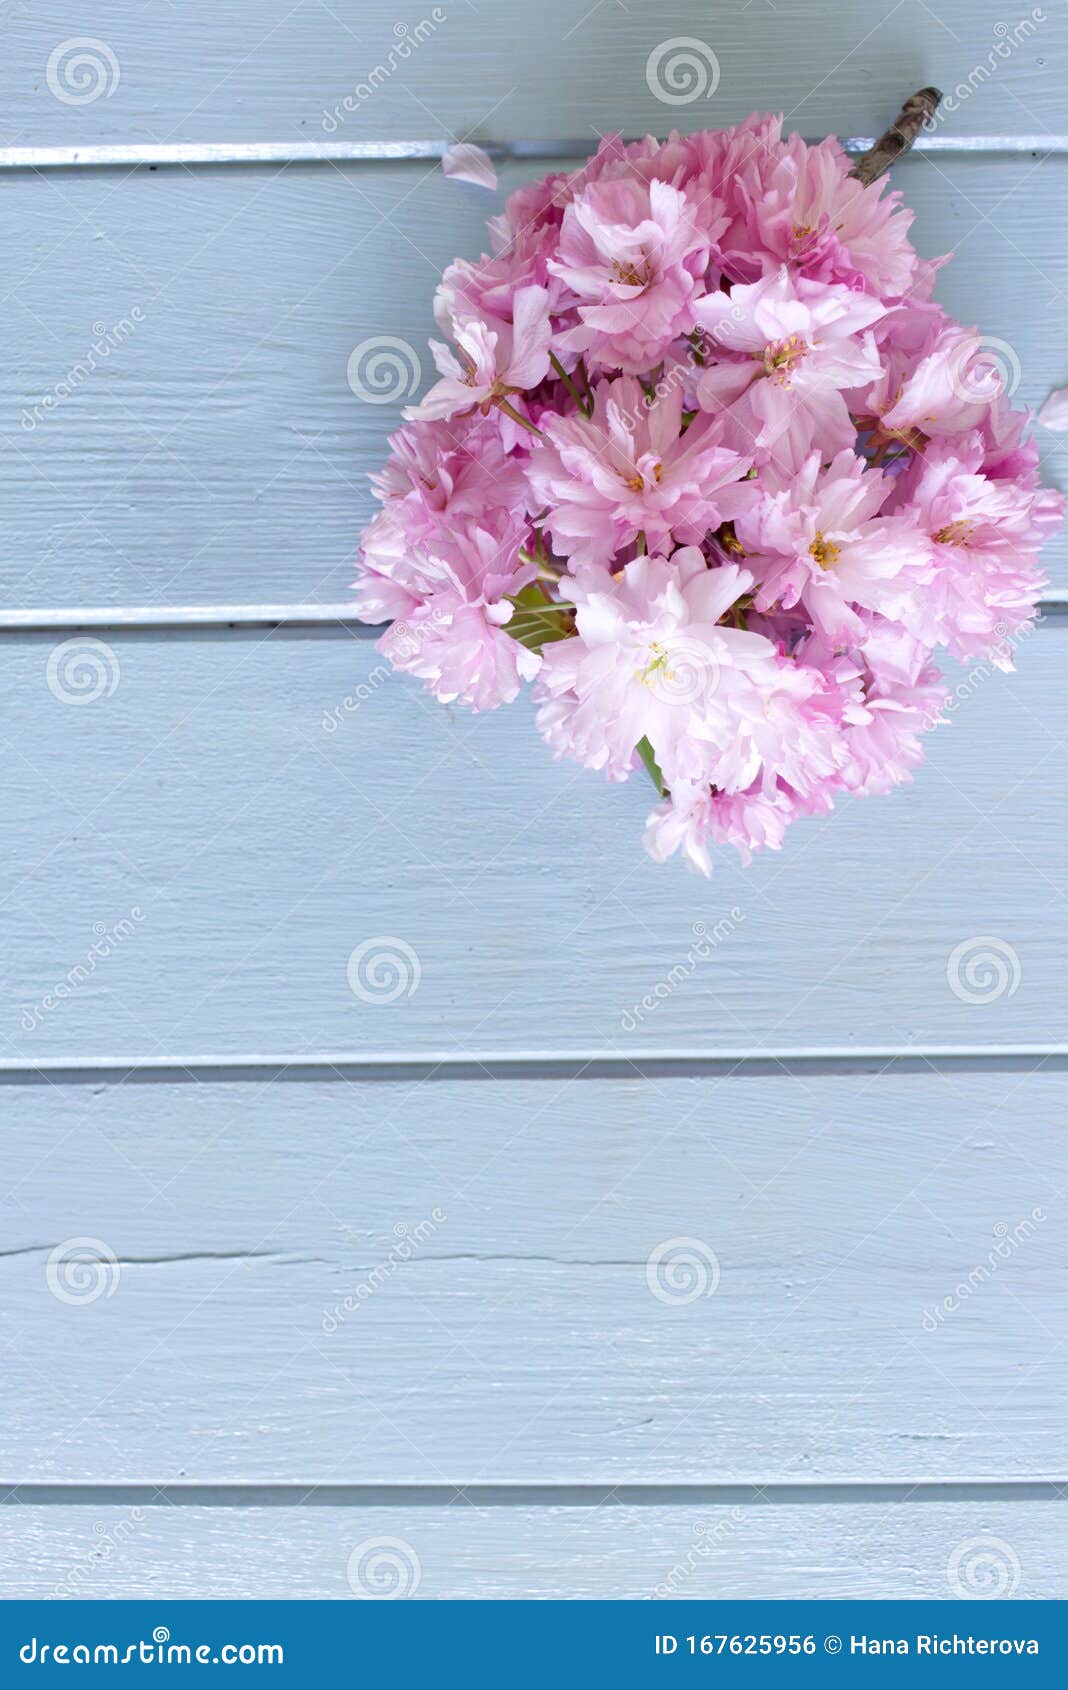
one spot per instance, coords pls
(256, 808)
(192, 858)
(335, 1283)
(263, 69)
(213, 451)
(760, 1552)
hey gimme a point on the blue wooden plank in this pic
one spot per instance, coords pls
(819, 1552)
(210, 449)
(846, 1279)
(262, 69)
(276, 807)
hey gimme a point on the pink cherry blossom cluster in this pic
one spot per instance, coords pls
(707, 465)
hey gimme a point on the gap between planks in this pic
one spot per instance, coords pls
(338, 618)
(773, 1493)
(135, 154)
(408, 1067)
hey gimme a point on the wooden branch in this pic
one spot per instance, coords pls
(899, 137)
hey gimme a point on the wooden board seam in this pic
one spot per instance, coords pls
(505, 1494)
(127, 155)
(489, 1065)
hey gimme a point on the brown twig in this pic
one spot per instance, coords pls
(912, 117)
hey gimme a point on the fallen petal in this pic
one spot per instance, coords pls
(1054, 413)
(470, 164)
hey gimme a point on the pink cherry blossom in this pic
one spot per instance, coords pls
(632, 469)
(633, 256)
(708, 466)
(798, 205)
(785, 349)
(454, 634)
(492, 361)
(816, 539)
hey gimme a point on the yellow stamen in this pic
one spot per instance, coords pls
(657, 665)
(957, 533)
(825, 552)
(629, 275)
(779, 360)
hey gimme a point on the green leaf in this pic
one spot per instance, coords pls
(536, 621)
(648, 757)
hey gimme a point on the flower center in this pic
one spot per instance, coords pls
(957, 533)
(630, 275)
(657, 664)
(825, 552)
(781, 357)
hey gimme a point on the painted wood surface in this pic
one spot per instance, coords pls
(175, 407)
(280, 847)
(817, 1551)
(599, 1282)
(193, 858)
(259, 69)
